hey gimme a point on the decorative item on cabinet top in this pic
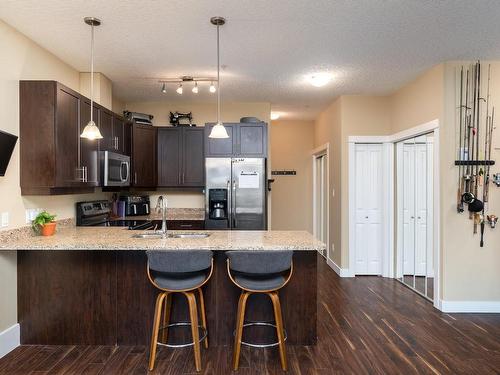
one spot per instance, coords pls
(474, 145)
(138, 118)
(177, 117)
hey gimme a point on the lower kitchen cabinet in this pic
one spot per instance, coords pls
(182, 224)
(181, 161)
(143, 156)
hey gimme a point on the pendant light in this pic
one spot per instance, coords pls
(218, 131)
(91, 131)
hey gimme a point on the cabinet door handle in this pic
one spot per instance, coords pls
(135, 178)
(186, 225)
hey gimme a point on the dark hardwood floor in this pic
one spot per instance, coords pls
(366, 325)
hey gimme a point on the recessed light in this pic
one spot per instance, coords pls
(319, 79)
(275, 115)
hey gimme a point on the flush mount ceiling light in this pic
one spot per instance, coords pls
(319, 79)
(275, 115)
(91, 131)
(218, 131)
(195, 88)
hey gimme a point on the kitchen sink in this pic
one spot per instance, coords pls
(189, 235)
(148, 235)
(174, 235)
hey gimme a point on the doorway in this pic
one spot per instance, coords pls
(320, 196)
(415, 214)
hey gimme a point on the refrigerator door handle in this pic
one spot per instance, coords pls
(233, 196)
(230, 203)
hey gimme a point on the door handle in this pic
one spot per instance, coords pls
(135, 178)
(230, 205)
(234, 203)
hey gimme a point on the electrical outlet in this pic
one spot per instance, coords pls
(5, 219)
(31, 213)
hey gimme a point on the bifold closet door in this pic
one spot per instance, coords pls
(368, 238)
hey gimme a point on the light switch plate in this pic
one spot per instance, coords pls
(5, 219)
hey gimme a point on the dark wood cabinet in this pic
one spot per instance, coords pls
(245, 140)
(89, 150)
(220, 147)
(181, 161)
(51, 151)
(54, 158)
(143, 155)
(182, 224)
(127, 138)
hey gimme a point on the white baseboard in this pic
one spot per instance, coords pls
(342, 272)
(470, 306)
(10, 339)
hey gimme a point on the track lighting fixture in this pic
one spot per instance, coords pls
(195, 88)
(164, 88)
(212, 88)
(179, 89)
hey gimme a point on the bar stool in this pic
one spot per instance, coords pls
(179, 271)
(259, 272)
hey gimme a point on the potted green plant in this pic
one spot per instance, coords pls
(44, 224)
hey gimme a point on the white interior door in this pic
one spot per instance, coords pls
(368, 234)
(421, 186)
(408, 209)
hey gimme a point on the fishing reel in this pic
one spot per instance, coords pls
(492, 220)
(496, 179)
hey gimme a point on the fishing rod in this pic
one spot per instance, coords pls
(487, 156)
(460, 203)
(467, 196)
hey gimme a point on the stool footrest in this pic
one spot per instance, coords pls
(265, 324)
(202, 330)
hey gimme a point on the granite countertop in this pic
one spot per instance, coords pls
(172, 214)
(116, 238)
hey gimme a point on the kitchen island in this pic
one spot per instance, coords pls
(89, 286)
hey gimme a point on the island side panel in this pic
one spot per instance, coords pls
(67, 297)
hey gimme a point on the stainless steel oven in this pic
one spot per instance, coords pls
(115, 169)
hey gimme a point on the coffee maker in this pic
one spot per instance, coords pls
(217, 200)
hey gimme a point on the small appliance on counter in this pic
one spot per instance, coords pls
(136, 205)
(98, 214)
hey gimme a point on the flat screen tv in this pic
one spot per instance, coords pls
(7, 143)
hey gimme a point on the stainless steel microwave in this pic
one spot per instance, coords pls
(115, 169)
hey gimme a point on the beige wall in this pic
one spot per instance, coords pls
(327, 130)
(103, 89)
(291, 146)
(117, 106)
(469, 272)
(202, 112)
(419, 101)
(23, 59)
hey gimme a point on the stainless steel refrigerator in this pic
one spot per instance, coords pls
(235, 195)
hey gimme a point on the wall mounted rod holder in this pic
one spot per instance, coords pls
(474, 162)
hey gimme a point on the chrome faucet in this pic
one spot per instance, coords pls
(161, 206)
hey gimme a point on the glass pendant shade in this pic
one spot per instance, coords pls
(91, 131)
(218, 131)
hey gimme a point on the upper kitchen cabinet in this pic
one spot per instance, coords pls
(112, 129)
(245, 140)
(143, 156)
(181, 160)
(220, 147)
(54, 160)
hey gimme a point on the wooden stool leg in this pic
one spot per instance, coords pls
(279, 328)
(240, 320)
(193, 313)
(156, 327)
(203, 316)
(166, 317)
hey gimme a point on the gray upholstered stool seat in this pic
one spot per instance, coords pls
(175, 282)
(184, 272)
(261, 272)
(260, 282)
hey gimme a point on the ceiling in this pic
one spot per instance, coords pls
(267, 47)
